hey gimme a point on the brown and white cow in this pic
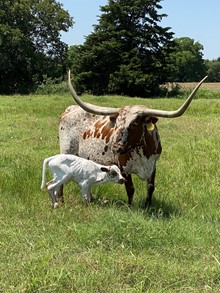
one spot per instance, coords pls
(127, 137)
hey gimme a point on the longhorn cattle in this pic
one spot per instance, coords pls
(127, 137)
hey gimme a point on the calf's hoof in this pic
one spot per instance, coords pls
(55, 205)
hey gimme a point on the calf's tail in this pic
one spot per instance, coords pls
(43, 183)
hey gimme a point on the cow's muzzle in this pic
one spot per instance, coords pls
(122, 181)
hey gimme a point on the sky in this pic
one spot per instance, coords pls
(196, 19)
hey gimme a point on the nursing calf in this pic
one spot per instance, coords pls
(86, 173)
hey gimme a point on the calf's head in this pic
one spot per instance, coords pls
(112, 174)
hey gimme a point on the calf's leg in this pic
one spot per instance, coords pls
(53, 190)
(53, 197)
(86, 194)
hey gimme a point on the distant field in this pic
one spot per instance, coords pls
(214, 86)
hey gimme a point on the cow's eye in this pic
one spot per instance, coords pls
(133, 125)
(114, 174)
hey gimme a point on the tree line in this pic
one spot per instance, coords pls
(128, 53)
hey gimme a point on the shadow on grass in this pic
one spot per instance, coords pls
(159, 208)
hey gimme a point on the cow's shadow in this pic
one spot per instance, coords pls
(158, 209)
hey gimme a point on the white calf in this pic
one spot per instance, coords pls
(86, 173)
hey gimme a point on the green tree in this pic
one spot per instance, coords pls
(126, 52)
(30, 42)
(186, 61)
(213, 70)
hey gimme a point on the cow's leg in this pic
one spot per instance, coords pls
(129, 188)
(91, 198)
(60, 196)
(150, 189)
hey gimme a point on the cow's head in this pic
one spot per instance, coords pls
(133, 128)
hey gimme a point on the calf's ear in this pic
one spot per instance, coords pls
(104, 169)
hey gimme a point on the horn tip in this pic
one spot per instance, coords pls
(205, 78)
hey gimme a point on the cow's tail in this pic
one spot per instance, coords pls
(43, 183)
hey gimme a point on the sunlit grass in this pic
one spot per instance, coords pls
(109, 246)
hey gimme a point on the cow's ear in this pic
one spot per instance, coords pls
(154, 120)
(151, 120)
(104, 169)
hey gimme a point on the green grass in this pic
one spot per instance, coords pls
(108, 246)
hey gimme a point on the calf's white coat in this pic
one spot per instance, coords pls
(86, 173)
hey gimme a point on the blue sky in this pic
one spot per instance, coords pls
(196, 19)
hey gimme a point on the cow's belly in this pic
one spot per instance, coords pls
(139, 164)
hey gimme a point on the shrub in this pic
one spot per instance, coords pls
(52, 86)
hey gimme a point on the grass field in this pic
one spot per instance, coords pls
(108, 246)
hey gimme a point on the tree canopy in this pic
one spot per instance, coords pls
(213, 69)
(186, 61)
(126, 53)
(30, 42)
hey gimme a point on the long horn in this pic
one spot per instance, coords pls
(178, 112)
(148, 112)
(88, 107)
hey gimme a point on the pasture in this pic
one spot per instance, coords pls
(109, 246)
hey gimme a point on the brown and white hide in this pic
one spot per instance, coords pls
(128, 139)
